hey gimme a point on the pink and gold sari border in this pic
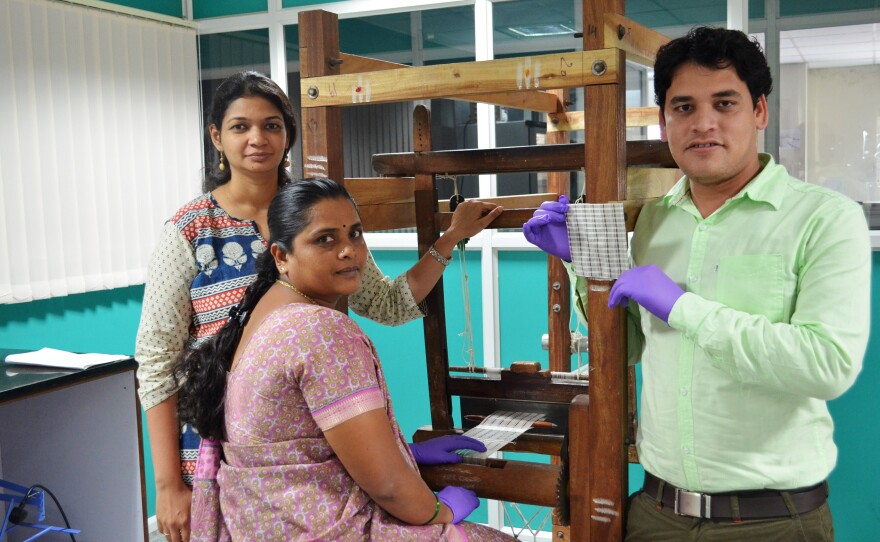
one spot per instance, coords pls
(348, 407)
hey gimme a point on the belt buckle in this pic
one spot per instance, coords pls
(689, 503)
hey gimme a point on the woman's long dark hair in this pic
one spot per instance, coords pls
(201, 373)
(247, 85)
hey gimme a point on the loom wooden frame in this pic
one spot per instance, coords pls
(601, 424)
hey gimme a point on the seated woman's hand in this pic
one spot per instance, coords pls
(441, 450)
(460, 501)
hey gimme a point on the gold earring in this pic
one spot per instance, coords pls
(286, 163)
(222, 166)
(282, 270)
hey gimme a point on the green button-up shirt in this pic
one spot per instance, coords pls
(774, 323)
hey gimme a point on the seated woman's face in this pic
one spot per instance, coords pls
(329, 254)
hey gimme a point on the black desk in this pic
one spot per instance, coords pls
(79, 434)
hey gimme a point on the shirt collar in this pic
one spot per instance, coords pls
(764, 187)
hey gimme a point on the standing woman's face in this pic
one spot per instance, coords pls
(252, 137)
(328, 256)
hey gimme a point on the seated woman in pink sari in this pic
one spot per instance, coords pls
(291, 395)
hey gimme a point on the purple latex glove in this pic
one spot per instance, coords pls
(648, 286)
(460, 500)
(546, 229)
(441, 450)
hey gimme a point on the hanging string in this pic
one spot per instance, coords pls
(576, 336)
(468, 333)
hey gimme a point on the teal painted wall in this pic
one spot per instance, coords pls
(172, 8)
(643, 11)
(107, 322)
(203, 9)
(300, 3)
(104, 322)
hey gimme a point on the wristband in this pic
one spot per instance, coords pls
(436, 510)
(436, 255)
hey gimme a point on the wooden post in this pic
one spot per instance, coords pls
(558, 289)
(580, 434)
(435, 322)
(605, 172)
(321, 126)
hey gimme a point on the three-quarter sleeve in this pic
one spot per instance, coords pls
(166, 316)
(383, 300)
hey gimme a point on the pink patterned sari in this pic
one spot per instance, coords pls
(305, 370)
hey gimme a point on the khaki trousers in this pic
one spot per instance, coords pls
(645, 522)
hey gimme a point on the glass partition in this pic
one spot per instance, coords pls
(791, 8)
(676, 18)
(830, 115)
(203, 9)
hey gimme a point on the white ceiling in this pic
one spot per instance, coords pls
(831, 47)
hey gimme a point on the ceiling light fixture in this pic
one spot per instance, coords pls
(540, 30)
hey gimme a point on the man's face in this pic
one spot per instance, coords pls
(712, 127)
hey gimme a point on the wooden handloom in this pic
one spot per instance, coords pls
(601, 424)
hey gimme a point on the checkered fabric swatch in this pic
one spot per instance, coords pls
(597, 237)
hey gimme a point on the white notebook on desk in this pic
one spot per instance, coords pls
(50, 357)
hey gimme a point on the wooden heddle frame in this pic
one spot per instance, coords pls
(601, 418)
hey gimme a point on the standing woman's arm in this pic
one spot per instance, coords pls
(164, 328)
(395, 302)
(173, 497)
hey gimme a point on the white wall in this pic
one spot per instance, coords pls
(843, 128)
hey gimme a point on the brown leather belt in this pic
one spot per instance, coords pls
(761, 504)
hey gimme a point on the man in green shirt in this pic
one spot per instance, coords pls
(749, 308)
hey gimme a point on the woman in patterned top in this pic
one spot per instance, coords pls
(205, 260)
(294, 391)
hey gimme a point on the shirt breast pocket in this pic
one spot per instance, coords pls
(752, 283)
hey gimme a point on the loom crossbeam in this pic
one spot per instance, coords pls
(562, 157)
(552, 71)
(521, 390)
(499, 479)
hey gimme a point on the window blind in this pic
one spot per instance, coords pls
(101, 143)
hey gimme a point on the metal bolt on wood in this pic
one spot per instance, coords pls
(599, 67)
(313, 92)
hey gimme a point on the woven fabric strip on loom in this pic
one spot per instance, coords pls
(500, 428)
(597, 237)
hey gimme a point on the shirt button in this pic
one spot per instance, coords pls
(703, 227)
(683, 392)
(686, 450)
(693, 278)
